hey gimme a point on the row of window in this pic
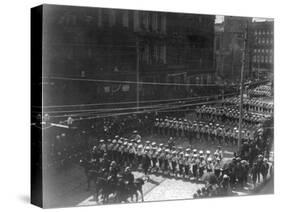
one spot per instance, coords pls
(264, 40)
(263, 32)
(262, 59)
(141, 20)
(267, 51)
(258, 69)
(155, 54)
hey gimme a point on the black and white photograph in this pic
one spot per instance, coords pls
(132, 106)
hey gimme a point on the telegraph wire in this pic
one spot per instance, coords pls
(127, 82)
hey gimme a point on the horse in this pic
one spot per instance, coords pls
(119, 188)
(125, 190)
(105, 187)
(91, 171)
(138, 183)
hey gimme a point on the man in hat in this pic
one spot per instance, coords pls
(115, 150)
(219, 152)
(110, 149)
(161, 126)
(146, 161)
(131, 154)
(128, 178)
(254, 173)
(167, 161)
(264, 169)
(136, 135)
(113, 171)
(174, 161)
(225, 185)
(140, 151)
(161, 158)
(120, 152)
(181, 128)
(202, 165)
(210, 166)
(166, 127)
(125, 156)
(105, 162)
(207, 154)
(186, 165)
(102, 146)
(154, 157)
(197, 131)
(205, 133)
(155, 126)
(217, 167)
(259, 163)
(171, 143)
(201, 133)
(194, 165)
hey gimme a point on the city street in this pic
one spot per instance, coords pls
(70, 189)
(157, 188)
(182, 101)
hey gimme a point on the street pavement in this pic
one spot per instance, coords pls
(69, 189)
(159, 188)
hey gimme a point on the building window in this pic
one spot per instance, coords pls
(163, 23)
(125, 19)
(144, 20)
(155, 54)
(270, 59)
(155, 22)
(147, 54)
(262, 59)
(136, 20)
(163, 54)
(99, 17)
(266, 59)
(254, 58)
(256, 32)
(112, 17)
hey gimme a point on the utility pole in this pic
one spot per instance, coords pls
(242, 85)
(137, 74)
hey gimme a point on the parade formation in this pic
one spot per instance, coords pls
(157, 144)
(142, 106)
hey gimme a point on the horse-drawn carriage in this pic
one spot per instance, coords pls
(109, 187)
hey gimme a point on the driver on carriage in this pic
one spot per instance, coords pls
(113, 171)
(128, 177)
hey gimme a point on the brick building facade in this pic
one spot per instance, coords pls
(262, 49)
(105, 44)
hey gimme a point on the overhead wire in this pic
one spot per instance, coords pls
(145, 111)
(95, 111)
(130, 102)
(127, 82)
